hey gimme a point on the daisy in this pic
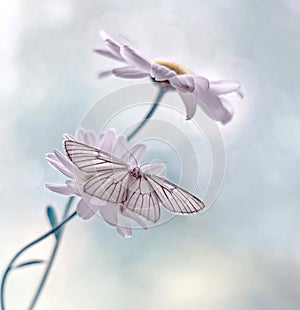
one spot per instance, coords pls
(193, 89)
(87, 207)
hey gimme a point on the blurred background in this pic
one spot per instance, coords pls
(244, 253)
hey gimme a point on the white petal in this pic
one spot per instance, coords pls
(60, 189)
(120, 147)
(64, 160)
(104, 73)
(154, 168)
(125, 232)
(190, 102)
(183, 83)
(212, 105)
(84, 211)
(137, 153)
(224, 87)
(109, 212)
(129, 72)
(134, 59)
(73, 186)
(108, 141)
(227, 117)
(53, 161)
(132, 215)
(201, 82)
(106, 53)
(161, 73)
(114, 48)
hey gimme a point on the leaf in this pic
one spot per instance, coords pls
(32, 262)
(53, 220)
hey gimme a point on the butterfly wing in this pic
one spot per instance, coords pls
(173, 197)
(108, 175)
(141, 199)
(90, 159)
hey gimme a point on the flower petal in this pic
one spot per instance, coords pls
(125, 232)
(104, 73)
(106, 53)
(84, 211)
(129, 73)
(224, 87)
(227, 117)
(120, 147)
(161, 73)
(134, 216)
(183, 83)
(53, 161)
(107, 141)
(60, 189)
(190, 102)
(64, 160)
(134, 59)
(137, 153)
(212, 105)
(73, 186)
(154, 168)
(109, 212)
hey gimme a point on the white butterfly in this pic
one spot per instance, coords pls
(115, 181)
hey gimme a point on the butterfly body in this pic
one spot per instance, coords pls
(115, 181)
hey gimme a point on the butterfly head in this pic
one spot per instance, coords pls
(136, 172)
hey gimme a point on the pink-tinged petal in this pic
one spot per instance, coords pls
(212, 105)
(109, 212)
(201, 82)
(129, 73)
(227, 117)
(65, 161)
(184, 83)
(120, 147)
(154, 168)
(190, 102)
(104, 73)
(106, 36)
(224, 87)
(84, 211)
(136, 154)
(114, 49)
(73, 186)
(60, 189)
(79, 135)
(106, 53)
(161, 73)
(137, 218)
(108, 141)
(135, 60)
(125, 232)
(53, 161)
(67, 136)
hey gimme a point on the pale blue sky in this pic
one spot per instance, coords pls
(244, 253)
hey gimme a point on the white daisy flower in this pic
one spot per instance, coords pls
(193, 89)
(111, 143)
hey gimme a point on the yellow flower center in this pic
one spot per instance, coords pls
(172, 66)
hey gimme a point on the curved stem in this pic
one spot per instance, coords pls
(160, 94)
(44, 236)
(52, 257)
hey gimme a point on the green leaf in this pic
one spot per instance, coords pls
(53, 220)
(32, 262)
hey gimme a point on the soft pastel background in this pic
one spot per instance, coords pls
(244, 253)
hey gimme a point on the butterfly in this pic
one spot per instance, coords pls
(114, 180)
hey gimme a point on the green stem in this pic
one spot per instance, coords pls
(44, 236)
(52, 257)
(160, 94)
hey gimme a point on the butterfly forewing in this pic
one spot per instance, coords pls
(90, 159)
(173, 197)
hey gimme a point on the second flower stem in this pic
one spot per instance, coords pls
(160, 95)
